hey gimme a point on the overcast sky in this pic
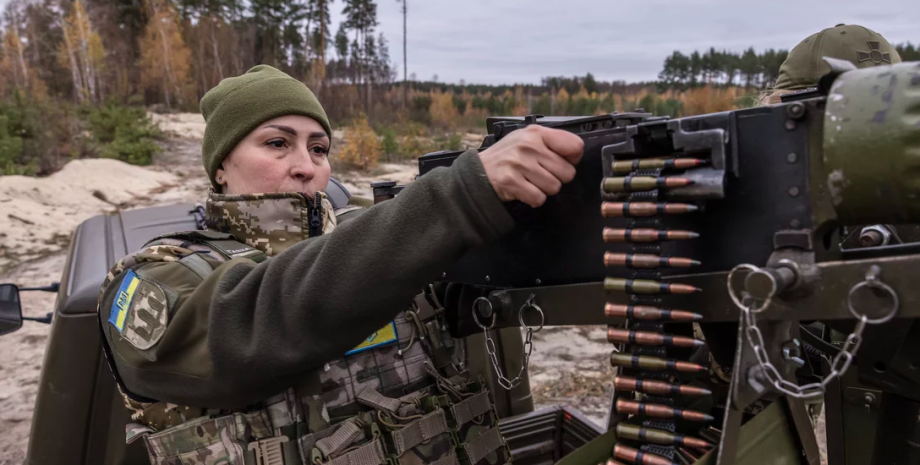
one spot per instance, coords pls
(520, 41)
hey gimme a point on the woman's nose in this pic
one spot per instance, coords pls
(303, 168)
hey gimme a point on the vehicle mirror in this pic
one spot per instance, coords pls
(10, 309)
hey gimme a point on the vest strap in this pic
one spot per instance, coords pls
(368, 454)
(422, 430)
(471, 408)
(345, 435)
(483, 445)
(371, 398)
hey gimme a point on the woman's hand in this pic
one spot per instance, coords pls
(532, 163)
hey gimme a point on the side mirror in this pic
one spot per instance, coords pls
(10, 309)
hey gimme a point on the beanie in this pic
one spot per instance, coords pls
(238, 105)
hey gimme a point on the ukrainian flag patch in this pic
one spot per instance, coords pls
(119, 313)
(381, 337)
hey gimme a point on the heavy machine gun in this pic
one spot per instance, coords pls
(726, 228)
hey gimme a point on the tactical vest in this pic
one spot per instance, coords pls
(399, 398)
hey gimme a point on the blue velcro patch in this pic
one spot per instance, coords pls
(381, 337)
(119, 312)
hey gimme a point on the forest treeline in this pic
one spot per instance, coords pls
(76, 76)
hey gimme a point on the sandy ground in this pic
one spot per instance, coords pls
(568, 366)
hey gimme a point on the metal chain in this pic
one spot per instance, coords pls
(503, 381)
(841, 362)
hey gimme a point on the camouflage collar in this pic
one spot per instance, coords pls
(270, 222)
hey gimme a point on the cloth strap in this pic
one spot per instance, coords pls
(478, 448)
(368, 454)
(344, 436)
(419, 431)
(466, 411)
(371, 398)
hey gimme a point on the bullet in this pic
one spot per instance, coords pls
(628, 166)
(613, 462)
(628, 209)
(645, 362)
(657, 436)
(638, 457)
(648, 338)
(629, 407)
(645, 312)
(689, 454)
(660, 388)
(645, 286)
(646, 235)
(643, 183)
(646, 260)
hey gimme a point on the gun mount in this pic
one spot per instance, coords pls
(736, 219)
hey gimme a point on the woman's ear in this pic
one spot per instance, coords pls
(221, 177)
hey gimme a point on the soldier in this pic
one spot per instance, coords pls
(805, 65)
(249, 343)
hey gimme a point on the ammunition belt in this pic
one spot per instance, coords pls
(650, 384)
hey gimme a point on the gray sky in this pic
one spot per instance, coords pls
(520, 41)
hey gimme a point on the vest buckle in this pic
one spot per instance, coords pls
(268, 451)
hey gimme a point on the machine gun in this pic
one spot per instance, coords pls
(729, 225)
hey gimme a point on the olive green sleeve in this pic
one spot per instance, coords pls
(248, 331)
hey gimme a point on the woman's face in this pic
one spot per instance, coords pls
(286, 154)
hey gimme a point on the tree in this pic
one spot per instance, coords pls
(82, 52)
(164, 54)
(361, 17)
(748, 66)
(319, 13)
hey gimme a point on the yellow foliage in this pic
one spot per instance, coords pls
(707, 99)
(165, 58)
(562, 95)
(442, 109)
(361, 148)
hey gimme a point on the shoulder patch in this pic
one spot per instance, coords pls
(139, 311)
(383, 336)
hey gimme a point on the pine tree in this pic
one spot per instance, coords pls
(319, 38)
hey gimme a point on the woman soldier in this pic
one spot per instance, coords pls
(249, 343)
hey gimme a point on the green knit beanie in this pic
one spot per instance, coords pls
(238, 105)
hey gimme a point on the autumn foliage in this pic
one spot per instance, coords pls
(361, 148)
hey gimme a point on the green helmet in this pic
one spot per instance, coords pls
(859, 45)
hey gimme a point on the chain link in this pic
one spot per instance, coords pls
(503, 381)
(841, 362)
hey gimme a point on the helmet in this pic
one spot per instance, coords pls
(859, 45)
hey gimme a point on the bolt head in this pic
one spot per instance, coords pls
(790, 125)
(792, 157)
(793, 191)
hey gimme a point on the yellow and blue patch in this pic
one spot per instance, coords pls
(119, 312)
(381, 337)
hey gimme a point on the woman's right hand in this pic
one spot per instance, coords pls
(532, 163)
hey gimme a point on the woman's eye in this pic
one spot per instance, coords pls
(277, 143)
(320, 150)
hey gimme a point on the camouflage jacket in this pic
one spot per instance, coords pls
(257, 345)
